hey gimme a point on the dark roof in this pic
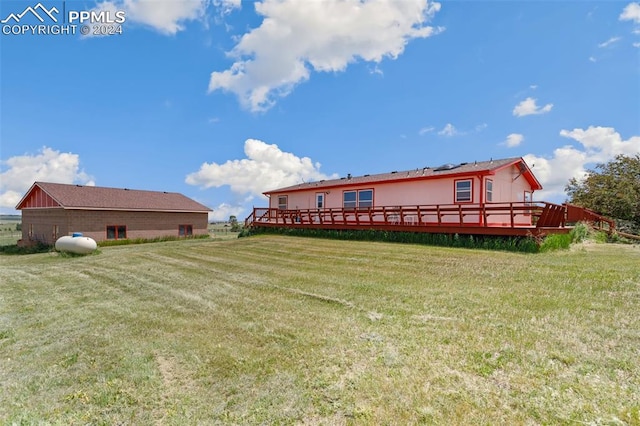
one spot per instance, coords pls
(100, 198)
(446, 170)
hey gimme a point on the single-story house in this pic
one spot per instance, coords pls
(52, 210)
(502, 181)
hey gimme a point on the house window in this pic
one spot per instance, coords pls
(365, 198)
(56, 231)
(361, 199)
(282, 202)
(116, 232)
(349, 199)
(463, 191)
(488, 197)
(320, 200)
(185, 230)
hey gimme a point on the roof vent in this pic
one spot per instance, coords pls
(447, 166)
(395, 171)
(366, 175)
(348, 175)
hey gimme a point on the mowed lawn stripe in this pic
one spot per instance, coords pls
(286, 330)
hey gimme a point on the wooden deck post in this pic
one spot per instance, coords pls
(484, 214)
(511, 214)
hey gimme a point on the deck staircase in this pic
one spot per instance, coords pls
(575, 214)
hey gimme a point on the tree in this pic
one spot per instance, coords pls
(235, 227)
(613, 189)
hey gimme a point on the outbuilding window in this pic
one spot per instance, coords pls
(116, 232)
(185, 230)
(463, 191)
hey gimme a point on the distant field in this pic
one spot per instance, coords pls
(8, 233)
(285, 330)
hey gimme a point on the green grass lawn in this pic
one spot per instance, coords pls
(286, 330)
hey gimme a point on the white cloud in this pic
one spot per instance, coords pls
(224, 210)
(227, 6)
(448, 130)
(47, 166)
(266, 167)
(513, 140)
(168, 17)
(596, 145)
(297, 37)
(529, 107)
(636, 44)
(603, 143)
(376, 70)
(631, 13)
(426, 130)
(609, 42)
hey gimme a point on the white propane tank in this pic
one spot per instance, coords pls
(79, 245)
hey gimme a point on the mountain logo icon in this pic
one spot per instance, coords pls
(34, 11)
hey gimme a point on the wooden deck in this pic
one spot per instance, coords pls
(501, 219)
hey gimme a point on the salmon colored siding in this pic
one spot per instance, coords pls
(508, 186)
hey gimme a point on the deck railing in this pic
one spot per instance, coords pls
(515, 218)
(581, 214)
(516, 214)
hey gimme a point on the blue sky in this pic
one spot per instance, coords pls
(222, 100)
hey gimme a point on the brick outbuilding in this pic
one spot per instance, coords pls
(52, 210)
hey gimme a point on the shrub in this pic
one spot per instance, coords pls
(600, 237)
(518, 244)
(580, 232)
(556, 242)
(109, 243)
(15, 249)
